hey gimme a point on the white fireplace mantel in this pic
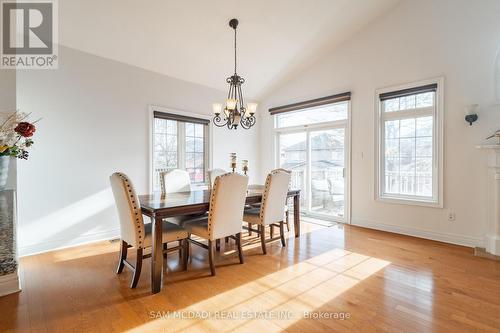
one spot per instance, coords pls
(492, 237)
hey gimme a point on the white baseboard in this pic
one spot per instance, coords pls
(9, 284)
(432, 235)
(51, 245)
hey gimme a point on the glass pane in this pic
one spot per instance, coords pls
(391, 105)
(198, 145)
(199, 159)
(171, 160)
(407, 147)
(293, 156)
(425, 100)
(424, 126)
(160, 142)
(407, 128)
(190, 160)
(159, 160)
(198, 130)
(172, 127)
(392, 174)
(392, 147)
(332, 112)
(189, 144)
(327, 172)
(189, 129)
(407, 102)
(392, 129)
(424, 177)
(171, 143)
(160, 125)
(424, 147)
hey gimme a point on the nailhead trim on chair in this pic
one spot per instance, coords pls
(137, 211)
(266, 191)
(213, 195)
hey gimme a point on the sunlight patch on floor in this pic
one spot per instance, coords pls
(273, 302)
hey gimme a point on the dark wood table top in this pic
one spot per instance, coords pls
(181, 202)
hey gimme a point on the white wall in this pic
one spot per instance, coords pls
(94, 122)
(457, 39)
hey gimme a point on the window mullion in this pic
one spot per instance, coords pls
(181, 145)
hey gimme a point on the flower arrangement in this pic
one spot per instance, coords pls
(15, 134)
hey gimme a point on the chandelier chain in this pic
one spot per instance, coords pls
(234, 50)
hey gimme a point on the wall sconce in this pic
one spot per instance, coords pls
(471, 112)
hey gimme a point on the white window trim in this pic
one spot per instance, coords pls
(208, 145)
(346, 123)
(438, 113)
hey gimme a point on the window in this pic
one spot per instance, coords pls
(312, 142)
(410, 144)
(180, 142)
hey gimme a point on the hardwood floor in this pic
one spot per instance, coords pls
(339, 278)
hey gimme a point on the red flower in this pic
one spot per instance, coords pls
(25, 129)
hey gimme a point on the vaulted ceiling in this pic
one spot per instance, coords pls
(191, 39)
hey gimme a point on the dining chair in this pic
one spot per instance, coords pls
(134, 233)
(271, 211)
(252, 207)
(175, 180)
(225, 215)
(212, 174)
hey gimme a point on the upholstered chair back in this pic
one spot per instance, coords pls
(175, 180)
(274, 196)
(129, 210)
(227, 201)
(214, 173)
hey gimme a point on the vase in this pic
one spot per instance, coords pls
(4, 171)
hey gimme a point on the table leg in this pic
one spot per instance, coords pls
(156, 255)
(296, 214)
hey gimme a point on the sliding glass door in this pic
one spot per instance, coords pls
(317, 157)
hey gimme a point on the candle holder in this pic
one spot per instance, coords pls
(232, 165)
(245, 166)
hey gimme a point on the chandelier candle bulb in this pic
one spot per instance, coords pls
(251, 108)
(217, 108)
(231, 104)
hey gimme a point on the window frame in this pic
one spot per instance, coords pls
(437, 111)
(344, 123)
(208, 151)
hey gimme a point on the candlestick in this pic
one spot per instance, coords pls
(245, 166)
(233, 161)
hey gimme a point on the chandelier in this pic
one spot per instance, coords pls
(234, 112)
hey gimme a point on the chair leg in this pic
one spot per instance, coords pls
(180, 245)
(271, 231)
(217, 245)
(249, 229)
(262, 229)
(238, 244)
(122, 257)
(282, 233)
(287, 216)
(185, 253)
(226, 239)
(211, 255)
(137, 271)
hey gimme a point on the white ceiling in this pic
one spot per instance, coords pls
(191, 39)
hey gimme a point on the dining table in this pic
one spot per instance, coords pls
(159, 206)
